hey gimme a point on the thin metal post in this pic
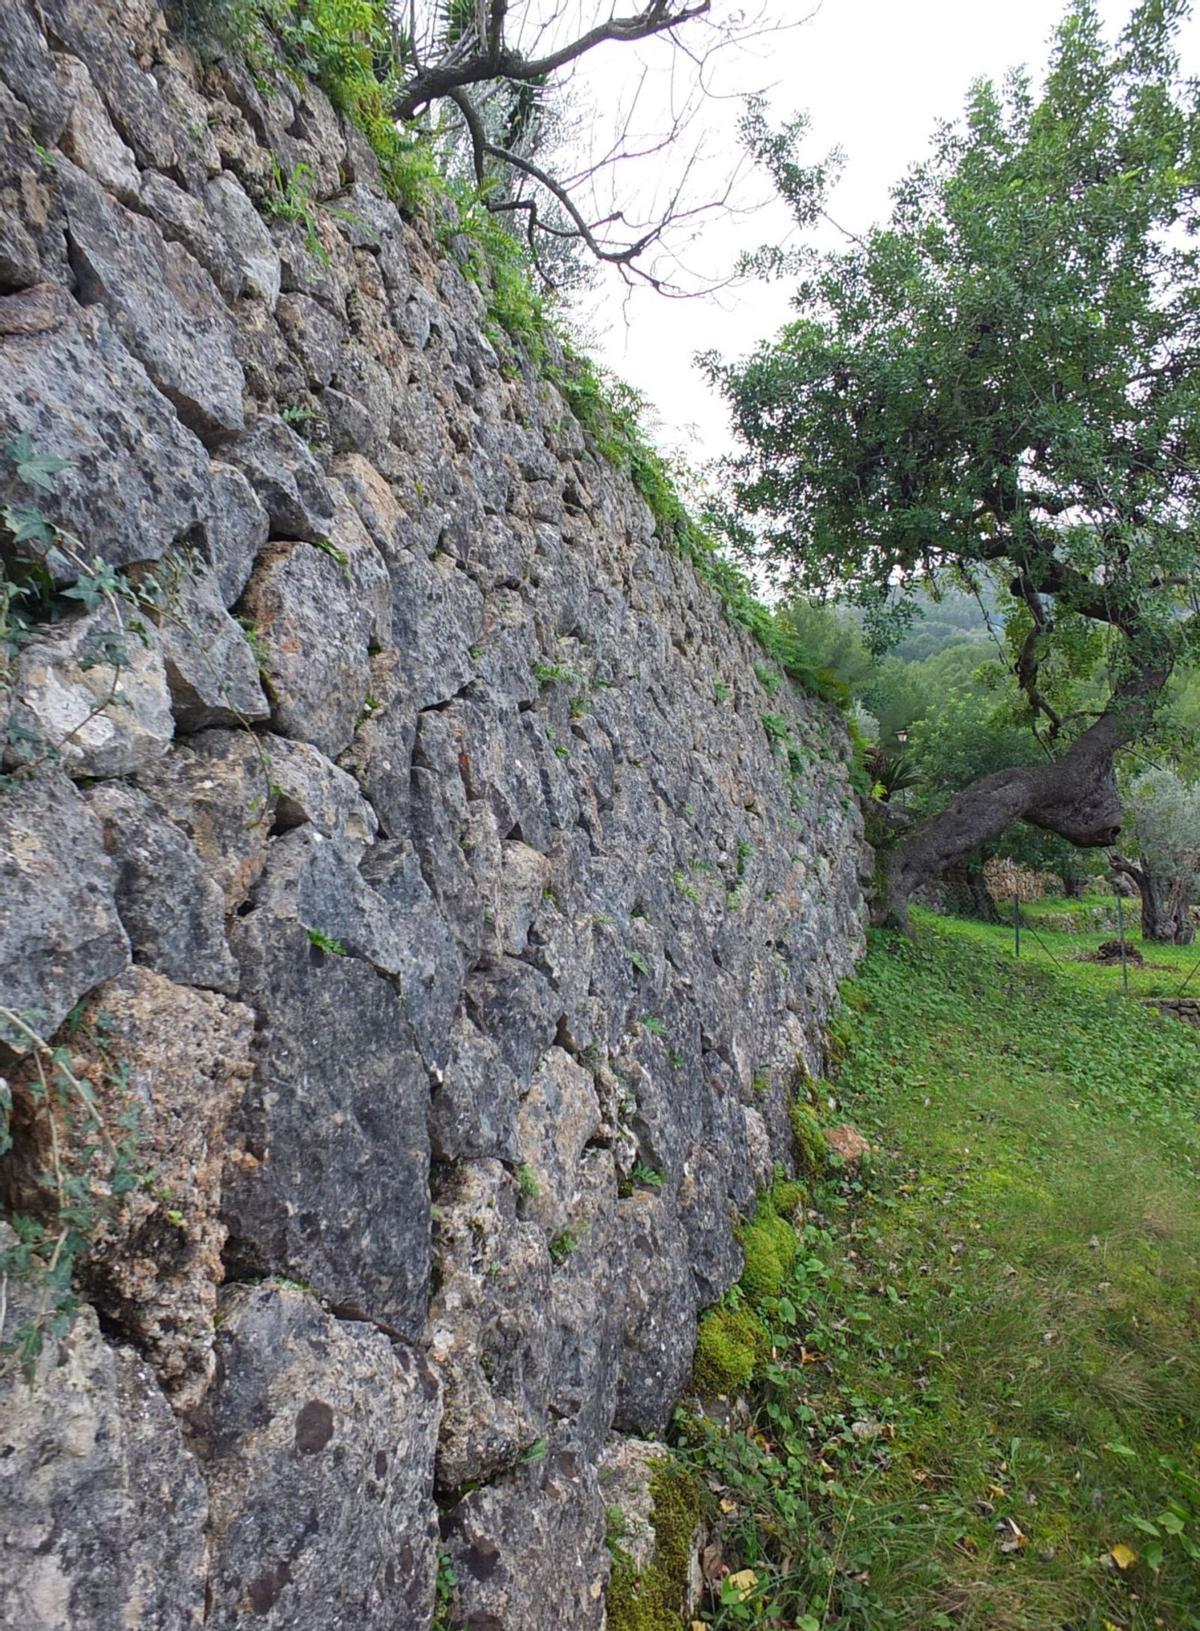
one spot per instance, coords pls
(1121, 933)
(1017, 923)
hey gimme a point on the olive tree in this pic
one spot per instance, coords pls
(1165, 825)
(999, 391)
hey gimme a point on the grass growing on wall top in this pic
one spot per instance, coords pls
(347, 47)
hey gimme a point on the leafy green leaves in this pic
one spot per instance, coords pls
(38, 469)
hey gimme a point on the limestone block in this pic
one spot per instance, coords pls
(320, 1448)
(103, 1506)
(172, 911)
(135, 478)
(164, 304)
(60, 934)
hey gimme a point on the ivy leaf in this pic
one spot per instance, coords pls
(38, 469)
(26, 523)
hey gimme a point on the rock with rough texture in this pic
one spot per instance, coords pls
(246, 238)
(536, 921)
(319, 1444)
(90, 139)
(318, 687)
(216, 788)
(164, 304)
(135, 478)
(329, 1173)
(235, 530)
(489, 1331)
(529, 1541)
(172, 911)
(60, 934)
(660, 1315)
(847, 1143)
(211, 670)
(103, 1506)
(172, 1062)
(286, 478)
(93, 696)
(309, 788)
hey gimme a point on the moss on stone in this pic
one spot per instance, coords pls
(808, 1141)
(769, 1247)
(730, 1343)
(787, 1197)
(654, 1598)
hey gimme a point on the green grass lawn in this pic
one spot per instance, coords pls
(982, 1404)
(1163, 973)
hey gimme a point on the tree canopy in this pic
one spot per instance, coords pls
(998, 391)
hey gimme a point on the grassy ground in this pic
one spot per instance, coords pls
(1163, 973)
(983, 1403)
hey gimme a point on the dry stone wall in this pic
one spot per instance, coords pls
(430, 885)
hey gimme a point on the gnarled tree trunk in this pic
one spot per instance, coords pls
(1075, 796)
(1166, 910)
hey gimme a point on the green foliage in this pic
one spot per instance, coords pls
(553, 674)
(326, 943)
(447, 1591)
(768, 1244)
(562, 1245)
(83, 1188)
(527, 1182)
(1001, 385)
(1166, 824)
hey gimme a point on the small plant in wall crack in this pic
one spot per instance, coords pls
(562, 1245)
(30, 602)
(326, 943)
(82, 1169)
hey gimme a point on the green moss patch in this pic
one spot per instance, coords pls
(654, 1598)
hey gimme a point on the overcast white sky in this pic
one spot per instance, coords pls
(874, 76)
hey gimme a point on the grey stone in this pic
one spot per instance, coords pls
(246, 238)
(235, 530)
(172, 911)
(286, 478)
(182, 219)
(135, 478)
(426, 959)
(475, 1106)
(28, 67)
(211, 670)
(529, 1541)
(314, 634)
(660, 1315)
(558, 1118)
(314, 334)
(90, 139)
(320, 1439)
(310, 788)
(93, 695)
(329, 1179)
(489, 1330)
(60, 934)
(104, 1507)
(177, 1060)
(164, 304)
(216, 788)
(130, 94)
